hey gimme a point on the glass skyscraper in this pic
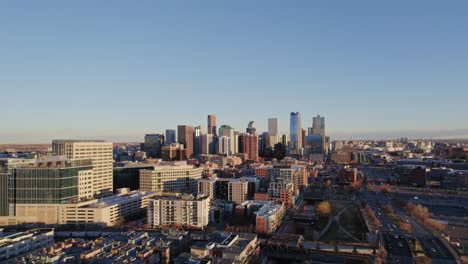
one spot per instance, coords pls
(295, 133)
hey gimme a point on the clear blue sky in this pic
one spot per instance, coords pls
(119, 69)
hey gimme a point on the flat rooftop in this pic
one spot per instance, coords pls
(119, 199)
(20, 236)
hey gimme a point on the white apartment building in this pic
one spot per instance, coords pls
(109, 211)
(179, 211)
(99, 151)
(170, 176)
(23, 242)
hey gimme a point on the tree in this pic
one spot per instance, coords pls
(323, 208)
(382, 255)
(405, 227)
(422, 260)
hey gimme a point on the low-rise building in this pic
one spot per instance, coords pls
(23, 242)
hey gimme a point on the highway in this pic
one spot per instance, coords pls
(394, 240)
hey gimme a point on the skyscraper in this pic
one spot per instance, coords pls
(99, 151)
(185, 137)
(153, 145)
(295, 133)
(318, 126)
(223, 145)
(228, 131)
(252, 128)
(273, 126)
(211, 124)
(208, 145)
(251, 147)
(197, 133)
(170, 136)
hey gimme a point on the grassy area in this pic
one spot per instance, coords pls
(335, 234)
(338, 205)
(353, 222)
(321, 223)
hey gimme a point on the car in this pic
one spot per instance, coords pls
(400, 244)
(396, 236)
(433, 250)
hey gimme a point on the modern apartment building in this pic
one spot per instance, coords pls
(101, 154)
(170, 176)
(185, 211)
(240, 190)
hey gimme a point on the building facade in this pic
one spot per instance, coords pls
(295, 133)
(184, 211)
(101, 154)
(185, 137)
(176, 176)
(212, 125)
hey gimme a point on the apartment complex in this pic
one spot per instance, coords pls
(23, 242)
(109, 211)
(179, 211)
(99, 151)
(268, 214)
(170, 176)
(240, 190)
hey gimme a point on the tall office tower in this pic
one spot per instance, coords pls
(185, 137)
(170, 136)
(273, 126)
(228, 132)
(241, 142)
(98, 150)
(153, 145)
(197, 133)
(223, 145)
(251, 147)
(295, 133)
(303, 136)
(273, 137)
(318, 125)
(263, 143)
(212, 124)
(318, 128)
(284, 140)
(252, 128)
(208, 145)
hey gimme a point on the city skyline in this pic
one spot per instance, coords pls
(72, 71)
(136, 135)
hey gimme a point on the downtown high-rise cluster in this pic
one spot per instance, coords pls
(196, 142)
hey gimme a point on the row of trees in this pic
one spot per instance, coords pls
(371, 214)
(422, 214)
(378, 188)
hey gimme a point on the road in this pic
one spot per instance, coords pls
(431, 245)
(394, 240)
